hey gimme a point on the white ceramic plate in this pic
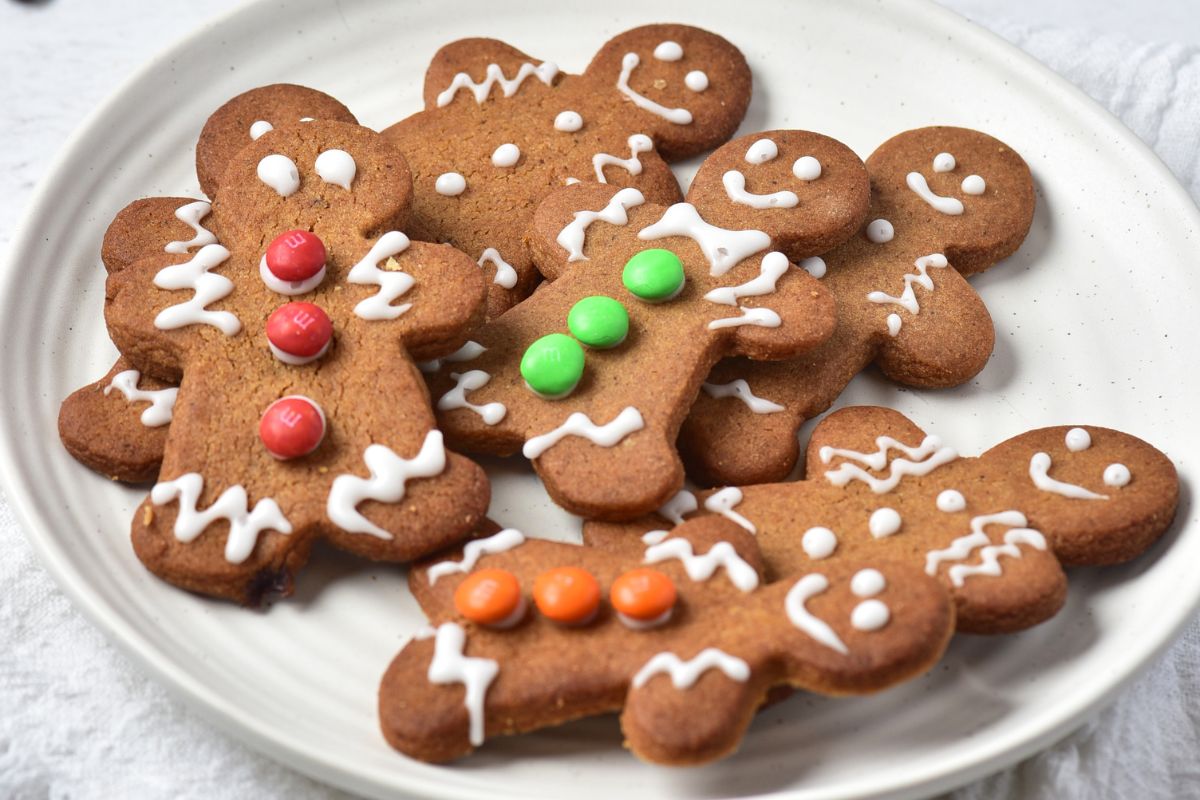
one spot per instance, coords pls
(1095, 318)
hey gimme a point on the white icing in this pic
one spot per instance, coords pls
(162, 401)
(289, 288)
(572, 237)
(794, 604)
(946, 205)
(723, 248)
(298, 361)
(684, 502)
(190, 215)
(578, 424)
(884, 522)
(654, 537)
(645, 624)
(944, 162)
(572, 181)
(1039, 473)
(723, 503)
(894, 324)
(951, 501)
(762, 151)
(735, 189)
(772, 267)
(450, 665)
(425, 631)
(741, 390)
(245, 524)
(280, 173)
(668, 51)
(389, 476)
(696, 80)
(506, 155)
(868, 583)
(450, 184)
(391, 284)
(759, 317)
(494, 76)
(819, 543)
(1078, 440)
(336, 167)
(307, 119)
(815, 266)
(929, 455)
(870, 615)
(207, 288)
(807, 168)
(259, 128)
(974, 185)
(679, 116)
(568, 121)
(638, 143)
(1116, 475)
(491, 413)
(468, 352)
(702, 567)
(880, 231)
(908, 298)
(500, 542)
(684, 674)
(506, 275)
(961, 548)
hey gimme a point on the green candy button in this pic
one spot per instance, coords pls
(654, 275)
(598, 321)
(553, 365)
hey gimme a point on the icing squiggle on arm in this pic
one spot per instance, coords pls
(759, 317)
(468, 352)
(545, 72)
(450, 665)
(579, 424)
(741, 390)
(501, 542)
(961, 548)
(244, 524)
(389, 476)
(930, 455)
(723, 503)
(723, 248)
(684, 502)
(773, 267)
(679, 116)
(638, 143)
(506, 276)
(491, 413)
(162, 401)
(702, 567)
(391, 284)
(573, 236)
(908, 298)
(207, 288)
(190, 215)
(684, 674)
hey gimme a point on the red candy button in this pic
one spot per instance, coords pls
(292, 426)
(295, 256)
(299, 332)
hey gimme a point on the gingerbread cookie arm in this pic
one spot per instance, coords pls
(156, 225)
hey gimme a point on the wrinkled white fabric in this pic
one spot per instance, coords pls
(78, 720)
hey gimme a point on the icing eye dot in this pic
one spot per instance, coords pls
(553, 366)
(696, 80)
(668, 51)
(884, 522)
(870, 615)
(336, 167)
(868, 583)
(259, 128)
(819, 543)
(654, 275)
(950, 501)
(814, 265)
(599, 322)
(299, 333)
(807, 168)
(973, 184)
(506, 155)
(567, 595)
(450, 184)
(292, 427)
(944, 162)
(1078, 440)
(1116, 475)
(880, 231)
(280, 173)
(490, 597)
(568, 121)
(761, 152)
(643, 597)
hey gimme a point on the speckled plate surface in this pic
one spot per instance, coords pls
(1095, 319)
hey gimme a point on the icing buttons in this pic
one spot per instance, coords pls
(884, 522)
(450, 184)
(506, 155)
(568, 121)
(880, 231)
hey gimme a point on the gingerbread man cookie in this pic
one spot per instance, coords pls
(946, 203)
(592, 375)
(995, 530)
(299, 414)
(685, 639)
(502, 129)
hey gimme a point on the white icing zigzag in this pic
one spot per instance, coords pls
(773, 267)
(572, 237)
(579, 424)
(190, 215)
(207, 288)
(638, 143)
(684, 674)
(679, 116)
(723, 248)
(759, 317)
(449, 665)
(741, 390)
(908, 298)
(930, 455)
(468, 352)
(389, 475)
(391, 284)
(723, 503)
(506, 539)
(494, 76)
(794, 604)
(162, 401)
(961, 548)
(244, 525)
(506, 276)
(469, 381)
(702, 567)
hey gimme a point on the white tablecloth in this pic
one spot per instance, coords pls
(78, 720)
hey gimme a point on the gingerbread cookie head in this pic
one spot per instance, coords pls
(501, 130)
(693, 636)
(299, 414)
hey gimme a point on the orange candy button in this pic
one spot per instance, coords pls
(643, 594)
(489, 597)
(569, 595)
